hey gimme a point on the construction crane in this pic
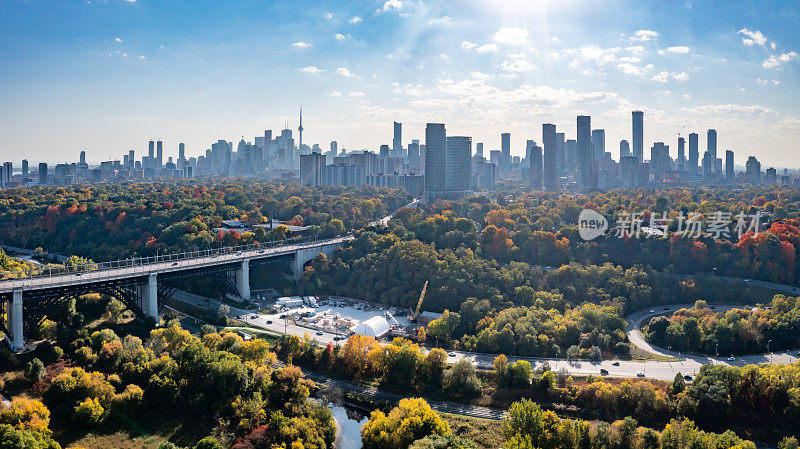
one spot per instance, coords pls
(413, 319)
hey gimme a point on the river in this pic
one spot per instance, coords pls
(350, 422)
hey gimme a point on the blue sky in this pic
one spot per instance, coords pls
(105, 76)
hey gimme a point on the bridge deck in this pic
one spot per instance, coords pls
(163, 265)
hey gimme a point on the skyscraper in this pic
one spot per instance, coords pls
(560, 153)
(479, 149)
(624, 149)
(334, 147)
(181, 156)
(534, 153)
(584, 149)
(505, 151)
(458, 164)
(598, 143)
(435, 157)
(24, 168)
(151, 152)
(159, 154)
(712, 144)
(694, 153)
(413, 153)
(397, 141)
(549, 157)
(42, 173)
(638, 135)
(681, 154)
(300, 129)
(729, 173)
(82, 158)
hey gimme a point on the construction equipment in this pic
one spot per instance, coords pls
(413, 319)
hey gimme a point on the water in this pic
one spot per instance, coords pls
(350, 422)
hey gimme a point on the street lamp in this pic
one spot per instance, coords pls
(768, 351)
(716, 350)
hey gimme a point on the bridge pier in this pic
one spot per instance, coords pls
(14, 320)
(243, 280)
(149, 295)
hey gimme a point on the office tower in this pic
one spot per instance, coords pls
(659, 161)
(151, 149)
(681, 154)
(694, 153)
(2, 176)
(479, 149)
(384, 151)
(624, 149)
(549, 156)
(181, 156)
(458, 163)
(435, 157)
(8, 172)
(770, 176)
(42, 173)
(505, 150)
(83, 157)
(753, 170)
(560, 145)
(729, 174)
(629, 168)
(159, 154)
(534, 153)
(584, 156)
(707, 166)
(571, 155)
(311, 166)
(334, 147)
(496, 157)
(131, 160)
(712, 143)
(397, 141)
(413, 153)
(598, 143)
(638, 135)
(24, 168)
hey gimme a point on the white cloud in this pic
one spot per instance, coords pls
(766, 82)
(772, 45)
(440, 21)
(752, 37)
(467, 45)
(335, 93)
(329, 15)
(517, 63)
(644, 35)
(142, 57)
(775, 61)
(730, 109)
(344, 72)
(341, 37)
(687, 96)
(635, 49)
(678, 49)
(661, 77)
(124, 55)
(511, 36)
(355, 19)
(301, 44)
(312, 69)
(392, 4)
(682, 76)
(629, 69)
(116, 39)
(479, 75)
(486, 48)
(357, 94)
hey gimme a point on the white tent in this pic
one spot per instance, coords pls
(376, 327)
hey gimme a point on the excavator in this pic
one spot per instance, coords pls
(414, 318)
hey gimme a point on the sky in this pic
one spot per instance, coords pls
(106, 76)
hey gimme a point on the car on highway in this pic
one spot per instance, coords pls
(640, 374)
(337, 338)
(666, 309)
(615, 364)
(451, 354)
(174, 264)
(687, 377)
(269, 321)
(603, 372)
(731, 358)
(652, 310)
(254, 316)
(320, 333)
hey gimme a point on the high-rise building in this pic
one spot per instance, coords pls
(151, 149)
(479, 149)
(435, 157)
(458, 164)
(598, 143)
(729, 173)
(584, 149)
(42, 173)
(638, 135)
(629, 170)
(505, 149)
(549, 156)
(82, 158)
(624, 149)
(334, 147)
(131, 161)
(570, 155)
(8, 172)
(159, 154)
(181, 156)
(311, 169)
(534, 153)
(753, 170)
(681, 154)
(560, 153)
(397, 140)
(659, 161)
(24, 168)
(694, 153)
(414, 154)
(712, 143)
(384, 151)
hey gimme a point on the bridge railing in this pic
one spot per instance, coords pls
(130, 265)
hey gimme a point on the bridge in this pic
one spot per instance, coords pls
(145, 284)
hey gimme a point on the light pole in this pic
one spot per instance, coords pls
(768, 351)
(716, 350)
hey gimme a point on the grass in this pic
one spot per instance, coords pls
(486, 433)
(640, 355)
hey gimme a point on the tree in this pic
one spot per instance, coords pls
(411, 420)
(26, 414)
(90, 412)
(461, 379)
(678, 384)
(208, 443)
(114, 310)
(34, 371)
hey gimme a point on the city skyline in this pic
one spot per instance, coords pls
(130, 77)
